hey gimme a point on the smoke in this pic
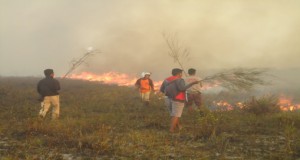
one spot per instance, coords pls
(220, 34)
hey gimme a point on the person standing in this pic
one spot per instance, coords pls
(194, 92)
(145, 86)
(174, 89)
(48, 89)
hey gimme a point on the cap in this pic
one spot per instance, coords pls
(145, 73)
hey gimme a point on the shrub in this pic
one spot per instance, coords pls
(262, 105)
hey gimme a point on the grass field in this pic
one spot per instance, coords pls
(109, 122)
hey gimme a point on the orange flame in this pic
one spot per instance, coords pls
(286, 104)
(120, 79)
(223, 105)
(106, 78)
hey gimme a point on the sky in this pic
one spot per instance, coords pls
(219, 34)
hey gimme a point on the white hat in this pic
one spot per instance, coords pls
(145, 73)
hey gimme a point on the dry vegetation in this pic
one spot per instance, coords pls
(108, 122)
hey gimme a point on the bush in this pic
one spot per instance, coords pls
(262, 105)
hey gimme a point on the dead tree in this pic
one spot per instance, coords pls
(77, 62)
(177, 51)
(233, 79)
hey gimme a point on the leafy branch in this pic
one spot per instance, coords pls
(238, 79)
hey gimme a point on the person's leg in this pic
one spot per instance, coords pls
(174, 123)
(45, 105)
(179, 126)
(56, 106)
(177, 108)
(147, 98)
(142, 95)
(168, 103)
(189, 102)
(198, 100)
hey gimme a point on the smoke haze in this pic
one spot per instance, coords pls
(220, 34)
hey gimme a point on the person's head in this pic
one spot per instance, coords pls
(49, 72)
(145, 74)
(191, 71)
(177, 72)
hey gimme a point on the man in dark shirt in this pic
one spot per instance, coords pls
(48, 89)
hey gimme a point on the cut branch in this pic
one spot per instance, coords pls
(238, 79)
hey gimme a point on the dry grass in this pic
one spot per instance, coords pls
(109, 122)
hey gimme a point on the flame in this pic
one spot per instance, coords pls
(286, 104)
(223, 105)
(120, 79)
(106, 78)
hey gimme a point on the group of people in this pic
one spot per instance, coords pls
(178, 91)
(181, 92)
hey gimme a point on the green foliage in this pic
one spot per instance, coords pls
(206, 125)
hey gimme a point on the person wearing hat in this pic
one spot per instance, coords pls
(145, 86)
(174, 89)
(48, 89)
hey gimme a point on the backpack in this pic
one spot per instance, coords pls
(171, 89)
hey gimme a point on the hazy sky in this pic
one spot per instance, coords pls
(39, 34)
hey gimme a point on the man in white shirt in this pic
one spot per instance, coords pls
(194, 92)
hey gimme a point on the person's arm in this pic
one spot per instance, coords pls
(137, 83)
(200, 82)
(57, 85)
(181, 84)
(151, 84)
(38, 88)
(162, 87)
(190, 85)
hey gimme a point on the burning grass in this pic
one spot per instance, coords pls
(109, 122)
